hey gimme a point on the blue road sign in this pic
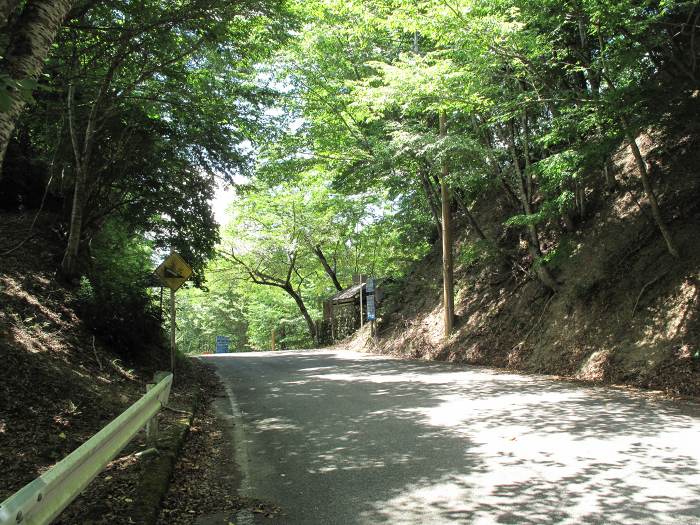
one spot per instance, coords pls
(222, 344)
(369, 297)
(371, 310)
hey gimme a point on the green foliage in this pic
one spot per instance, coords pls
(556, 171)
(205, 314)
(86, 293)
(329, 111)
(267, 309)
(550, 209)
(353, 165)
(168, 99)
(476, 252)
(114, 297)
(155, 101)
(555, 257)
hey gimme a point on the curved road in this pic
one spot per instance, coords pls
(336, 437)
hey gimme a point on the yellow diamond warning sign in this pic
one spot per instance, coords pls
(174, 271)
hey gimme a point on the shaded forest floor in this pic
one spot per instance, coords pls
(204, 489)
(61, 384)
(627, 313)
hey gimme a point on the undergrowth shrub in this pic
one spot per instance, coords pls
(113, 298)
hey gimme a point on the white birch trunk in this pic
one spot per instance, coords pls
(30, 42)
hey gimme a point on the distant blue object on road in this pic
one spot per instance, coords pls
(222, 344)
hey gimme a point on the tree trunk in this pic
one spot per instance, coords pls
(447, 262)
(327, 267)
(655, 211)
(430, 197)
(82, 154)
(581, 199)
(533, 246)
(472, 221)
(487, 142)
(264, 279)
(302, 308)
(69, 264)
(30, 42)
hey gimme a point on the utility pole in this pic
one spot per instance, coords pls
(447, 263)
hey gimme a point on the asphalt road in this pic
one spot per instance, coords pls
(343, 438)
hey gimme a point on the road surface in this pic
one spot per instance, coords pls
(337, 437)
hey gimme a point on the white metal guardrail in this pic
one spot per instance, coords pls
(41, 500)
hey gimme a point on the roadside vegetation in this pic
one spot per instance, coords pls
(359, 140)
(117, 120)
(535, 156)
(523, 173)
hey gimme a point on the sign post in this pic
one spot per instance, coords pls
(172, 330)
(173, 272)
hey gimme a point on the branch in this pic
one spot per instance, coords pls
(256, 276)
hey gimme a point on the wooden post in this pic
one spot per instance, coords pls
(447, 264)
(362, 317)
(332, 324)
(273, 340)
(172, 331)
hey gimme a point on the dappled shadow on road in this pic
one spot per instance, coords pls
(368, 439)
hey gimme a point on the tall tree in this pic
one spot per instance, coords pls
(31, 35)
(184, 69)
(268, 247)
(447, 249)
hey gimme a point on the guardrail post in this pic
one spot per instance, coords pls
(152, 425)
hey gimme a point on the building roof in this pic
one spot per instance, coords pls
(348, 295)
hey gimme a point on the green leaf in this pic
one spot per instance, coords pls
(5, 101)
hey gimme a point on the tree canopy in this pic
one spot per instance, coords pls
(364, 132)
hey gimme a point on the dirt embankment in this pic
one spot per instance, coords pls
(60, 384)
(627, 312)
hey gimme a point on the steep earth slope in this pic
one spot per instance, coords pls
(627, 311)
(59, 384)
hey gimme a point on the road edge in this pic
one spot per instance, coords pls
(158, 471)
